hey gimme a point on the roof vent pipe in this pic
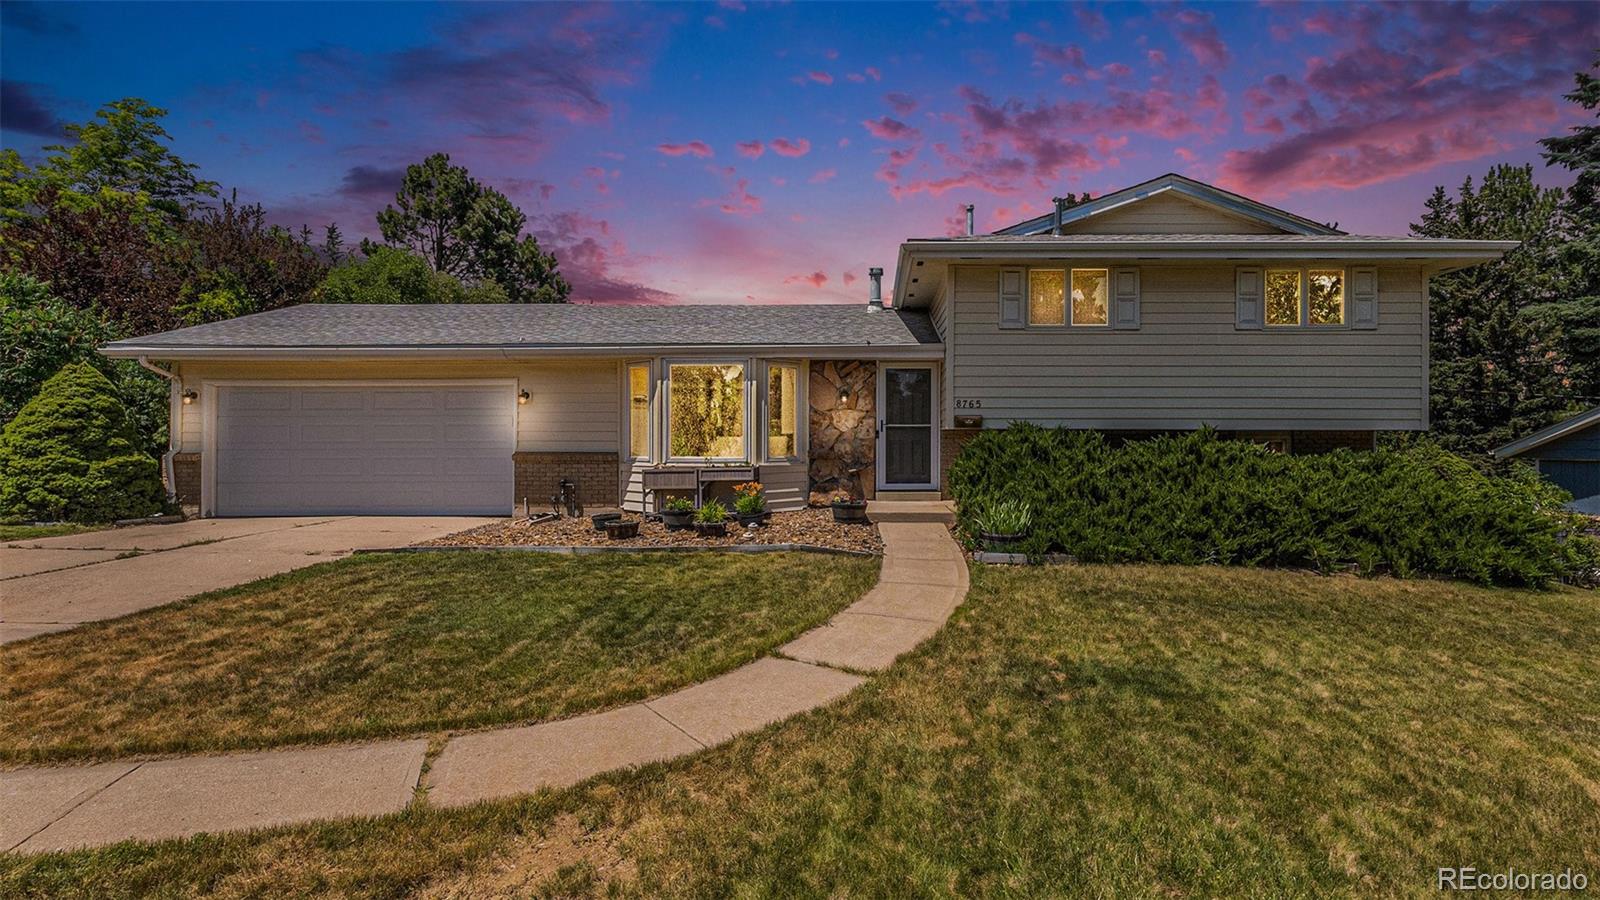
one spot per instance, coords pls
(969, 220)
(1061, 208)
(875, 289)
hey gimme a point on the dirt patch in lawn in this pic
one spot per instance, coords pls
(812, 527)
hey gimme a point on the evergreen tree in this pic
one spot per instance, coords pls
(1576, 317)
(1496, 373)
(71, 454)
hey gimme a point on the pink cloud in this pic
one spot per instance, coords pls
(823, 175)
(1092, 22)
(1116, 70)
(693, 148)
(849, 279)
(786, 147)
(820, 77)
(815, 279)
(888, 129)
(902, 104)
(1197, 32)
(751, 149)
(1048, 54)
(592, 258)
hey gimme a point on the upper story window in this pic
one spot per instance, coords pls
(706, 411)
(1050, 303)
(1305, 297)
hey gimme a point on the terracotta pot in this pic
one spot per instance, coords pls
(711, 529)
(677, 521)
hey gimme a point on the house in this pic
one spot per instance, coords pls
(1568, 455)
(1166, 306)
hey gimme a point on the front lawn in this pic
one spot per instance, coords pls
(1099, 730)
(10, 533)
(404, 644)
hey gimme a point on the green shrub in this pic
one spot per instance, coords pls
(712, 512)
(71, 454)
(678, 504)
(1197, 499)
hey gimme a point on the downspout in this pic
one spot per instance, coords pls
(175, 386)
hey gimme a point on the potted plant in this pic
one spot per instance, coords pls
(848, 510)
(712, 519)
(750, 503)
(677, 513)
(1002, 524)
(620, 529)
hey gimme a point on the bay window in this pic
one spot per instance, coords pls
(639, 390)
(706, 411)
(783, 412)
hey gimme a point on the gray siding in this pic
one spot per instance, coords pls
(1187, 365)
(1168, 214)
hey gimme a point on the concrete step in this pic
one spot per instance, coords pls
(941, 511)
(908, 495)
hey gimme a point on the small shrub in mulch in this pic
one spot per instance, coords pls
(811, 527)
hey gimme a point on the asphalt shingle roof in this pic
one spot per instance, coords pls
(553, 326)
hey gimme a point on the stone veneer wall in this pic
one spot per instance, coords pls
(538, 478)
(844, 432)
(186, 478)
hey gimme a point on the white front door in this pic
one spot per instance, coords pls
(908, 429)
(391, 449)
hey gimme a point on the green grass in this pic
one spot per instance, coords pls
(403, 644)
(1101, 731)
(30, 532)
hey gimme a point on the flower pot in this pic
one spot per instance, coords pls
(850, 512)
(1000, 543)
(711, 529)
(760, 518)
(619, 530)
(677, 521)
(601, 520)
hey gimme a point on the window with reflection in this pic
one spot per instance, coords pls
(1325, 296)
(1089, 296)
(1283, 296)
(783, 414)
(705, 411)
(1047, 297)
(639, 411)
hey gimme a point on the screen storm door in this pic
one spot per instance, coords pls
(907, 432)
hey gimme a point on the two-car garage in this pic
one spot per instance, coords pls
(411, 448)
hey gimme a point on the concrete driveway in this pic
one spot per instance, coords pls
(52, 584)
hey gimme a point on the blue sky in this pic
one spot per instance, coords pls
(751, 152)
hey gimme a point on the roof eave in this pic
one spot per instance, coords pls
(126, 350)
(1446, 256)
(1545, 435)
(1198, 191)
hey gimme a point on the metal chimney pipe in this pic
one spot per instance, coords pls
(875, 289)
(1061, 206)
(970, 229)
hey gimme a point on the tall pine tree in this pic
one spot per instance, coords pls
(1497, 371)
(1576, 317)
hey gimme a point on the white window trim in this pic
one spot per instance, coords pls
(1066, 306)
(1305, 322)
(748, 365)
(651, 446)
(801, 414)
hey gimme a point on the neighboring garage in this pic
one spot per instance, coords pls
(439, 448)
(1567, 454)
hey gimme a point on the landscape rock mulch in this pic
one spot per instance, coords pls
(812, 527)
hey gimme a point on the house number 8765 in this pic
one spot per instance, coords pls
(969, 404)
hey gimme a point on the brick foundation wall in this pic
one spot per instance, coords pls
(951, 440)
(186, 478)
(1324, 441)
(538, 476)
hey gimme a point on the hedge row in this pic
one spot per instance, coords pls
(1198, 499)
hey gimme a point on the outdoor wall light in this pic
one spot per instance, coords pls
(844, 395)
(189, 397)
(522, 398)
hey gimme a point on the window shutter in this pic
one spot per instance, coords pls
(1364, 298)
(1125, 298)
(1011, 311)
(1249, 283)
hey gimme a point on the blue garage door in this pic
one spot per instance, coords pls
(1580, 477)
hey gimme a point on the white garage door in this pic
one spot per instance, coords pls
(390, 450)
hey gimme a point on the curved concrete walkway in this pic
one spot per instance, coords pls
(923, 580)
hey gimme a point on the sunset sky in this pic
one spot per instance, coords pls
(746, 152)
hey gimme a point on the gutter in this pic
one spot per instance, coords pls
(134, 350)
(175, 387)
